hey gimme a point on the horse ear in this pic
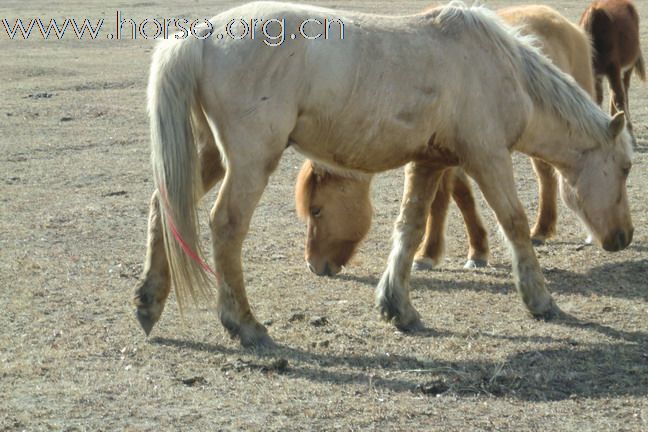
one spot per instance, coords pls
(617, 124)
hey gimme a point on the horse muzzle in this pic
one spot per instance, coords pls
(618, 240)
(327, 269)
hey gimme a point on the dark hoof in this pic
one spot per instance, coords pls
(406, 321)
(475, 263)
(250, 334)
(147, 312)
(149, 299)
(414, 326)
(146, 321)
(550, 314)
(538, 242)
(257, 339)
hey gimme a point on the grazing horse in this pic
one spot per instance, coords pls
(392, 91)
(614, 29)
(330, 244)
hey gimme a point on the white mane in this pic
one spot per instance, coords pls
(554, 91)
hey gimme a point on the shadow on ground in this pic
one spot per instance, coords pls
(619, 279)
(618, 368)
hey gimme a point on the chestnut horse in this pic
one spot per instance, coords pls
(389, 91)
(614, 29)
(331, 244)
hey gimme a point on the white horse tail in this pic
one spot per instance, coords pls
(172, 93)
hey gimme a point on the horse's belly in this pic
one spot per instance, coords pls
(362, 144)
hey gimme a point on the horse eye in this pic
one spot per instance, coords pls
(316, 212)
(626, 172)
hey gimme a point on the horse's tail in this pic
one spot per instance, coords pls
(640, 67)
(172, 94)
(587, 20)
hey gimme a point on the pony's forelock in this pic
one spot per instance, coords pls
(304, 189)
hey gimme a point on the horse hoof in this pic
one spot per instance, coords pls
(146, 321)
(413, 326)
(260, 342)
(472, 264)
(537, 241)
(424, 264)
(147, 311)
(254, 335)
(551, 313)
(149, 303)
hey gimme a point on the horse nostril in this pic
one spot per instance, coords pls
(621, 240)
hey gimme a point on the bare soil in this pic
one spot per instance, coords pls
(74, 189)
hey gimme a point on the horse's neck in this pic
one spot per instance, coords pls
(548, 138)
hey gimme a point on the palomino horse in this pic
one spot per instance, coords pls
(330, 244)
(396, 90)
(614, 29)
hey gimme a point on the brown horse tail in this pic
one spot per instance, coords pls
(586, 20)
(640, 67)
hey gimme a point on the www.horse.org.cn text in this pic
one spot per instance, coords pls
(273, 31)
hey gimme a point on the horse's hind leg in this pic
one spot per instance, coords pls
(617, 91)
(545, 225)
(626, 88)
(618, 97)
(462, 194)
(250, 163)
(392, 292)
(431, 250)
(498, 186)
(152, 292)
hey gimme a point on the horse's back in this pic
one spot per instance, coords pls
(374, 100)
(564, 43)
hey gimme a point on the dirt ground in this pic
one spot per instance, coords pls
(74, 189)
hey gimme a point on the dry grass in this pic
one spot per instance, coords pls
(74, 189)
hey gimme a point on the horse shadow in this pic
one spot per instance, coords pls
(615, 365)
(597, 370)
(625, 279)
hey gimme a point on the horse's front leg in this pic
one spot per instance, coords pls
(392, 292)
(497, 184)
(152, 292)
(247, 176)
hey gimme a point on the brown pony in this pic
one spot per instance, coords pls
(323, 199)
(614, 29)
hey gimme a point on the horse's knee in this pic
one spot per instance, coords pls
(516, 228)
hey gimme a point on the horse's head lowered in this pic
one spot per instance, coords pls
(338, 213)
(596, 189)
